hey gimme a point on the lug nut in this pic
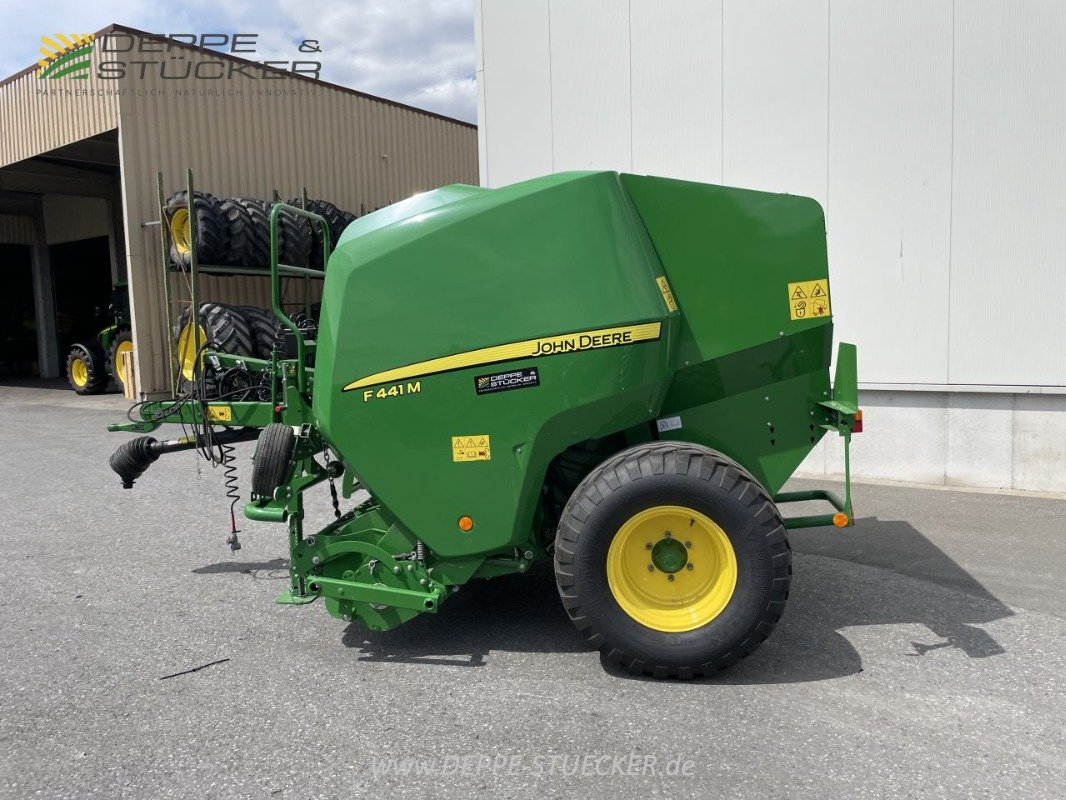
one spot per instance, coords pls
(396, 569)
(670, 578)
(647, 546)
(688, 566)
(688, 544)
(668, 534)
(315, 560)
(651, 568)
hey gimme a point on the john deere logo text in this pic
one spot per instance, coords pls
(66, 55)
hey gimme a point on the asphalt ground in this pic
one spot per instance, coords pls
(921, 655)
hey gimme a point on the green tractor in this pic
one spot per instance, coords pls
(92, 364)
(614, 373)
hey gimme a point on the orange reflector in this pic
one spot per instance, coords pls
(465, 523)
(857, 427)
(840, 519)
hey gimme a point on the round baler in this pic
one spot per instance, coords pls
(614, 372)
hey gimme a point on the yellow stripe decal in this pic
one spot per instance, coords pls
(529, 348)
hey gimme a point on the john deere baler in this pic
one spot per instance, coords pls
(617, 372)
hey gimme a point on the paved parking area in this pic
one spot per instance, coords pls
(921, 655)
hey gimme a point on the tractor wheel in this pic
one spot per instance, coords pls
(295, 239)
(266, 329)
(337, 220)
(672, 560)
(211, 245)
(239, 229)
(256, 240)
(123, 343)
(221, 325)
(86, 368)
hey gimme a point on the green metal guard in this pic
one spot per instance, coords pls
(275, 282)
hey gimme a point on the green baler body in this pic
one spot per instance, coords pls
(559, 274)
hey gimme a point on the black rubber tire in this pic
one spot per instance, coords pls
(336, 218)
(270, 464)
(92, 355)
(256, 241)
(225, 326)
(690, 475)
(123, 335)
(239, 228)
(295, 239)
(211, 239)
(266, 329)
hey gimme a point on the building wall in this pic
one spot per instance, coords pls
(41, 115)
(16, 229)
(929, 130)
(353, 150)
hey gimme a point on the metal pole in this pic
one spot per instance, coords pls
(164, 239)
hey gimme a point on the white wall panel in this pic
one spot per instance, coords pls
(889, 209)
(590, 72)
(775, 97)
(1008, 231)
(514, 91)
(677, 88)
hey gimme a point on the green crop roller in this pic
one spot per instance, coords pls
(617, 372)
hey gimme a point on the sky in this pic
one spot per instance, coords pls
(419, 52)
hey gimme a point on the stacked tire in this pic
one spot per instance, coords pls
(235, 231)
(337, 219)
(237, 330)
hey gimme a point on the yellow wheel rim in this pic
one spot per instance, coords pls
(187, 351)
(179, 230)
(79, 371)
(671, 568)
(123, 347)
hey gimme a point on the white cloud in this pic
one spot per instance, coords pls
(419, 52)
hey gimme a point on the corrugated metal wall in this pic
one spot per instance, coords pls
(355, 151)
(40, 115)
(15, 229)
(930, 130)
(67, 218)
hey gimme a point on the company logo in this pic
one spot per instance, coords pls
(66, 55)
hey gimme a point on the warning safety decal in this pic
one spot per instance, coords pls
(471, 448)
(808, 299)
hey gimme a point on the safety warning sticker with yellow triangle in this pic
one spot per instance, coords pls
(808, 299)
(471, 448)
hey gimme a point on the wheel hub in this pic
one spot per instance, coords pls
(669, 555)
(671, 568)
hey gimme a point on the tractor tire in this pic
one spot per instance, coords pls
(221, 325)
(211, 243)
(239, 229)
(87, 368)
(672, 560)
(122, 343)
(337, 220)
(266, 329)
(270, 464)
(255, 245)
(295, 239)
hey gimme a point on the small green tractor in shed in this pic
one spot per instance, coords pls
(93, 363)
(615, 372)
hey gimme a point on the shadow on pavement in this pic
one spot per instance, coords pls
(877, 573)
(276, 568)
